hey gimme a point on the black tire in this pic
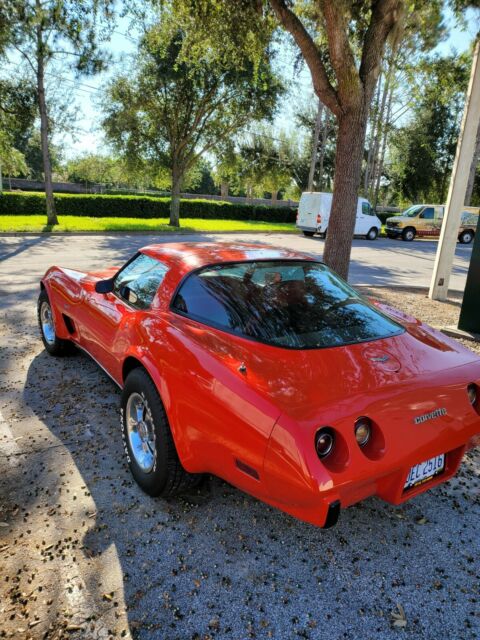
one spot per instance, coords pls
(372, 234)
(409, 234)
(167, 477)
(309, 234)
(466, 237)
(54, 345)
(324, 234)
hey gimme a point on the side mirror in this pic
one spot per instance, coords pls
(104, 286)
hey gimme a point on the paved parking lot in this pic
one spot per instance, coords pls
(83, 553)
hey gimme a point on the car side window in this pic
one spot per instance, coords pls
(138, 282)
(428, 213)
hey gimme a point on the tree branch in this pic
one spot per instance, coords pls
(385, 14)
(307, 46)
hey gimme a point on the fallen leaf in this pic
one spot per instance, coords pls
(399, 619)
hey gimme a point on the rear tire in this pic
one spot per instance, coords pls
(54, 345)
(309, 234)
(148, 442)
(372, 234)
(409, 234)
(466, 237)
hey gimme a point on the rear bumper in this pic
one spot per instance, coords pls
(304, 228)
(314, 491)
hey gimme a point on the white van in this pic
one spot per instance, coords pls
(314, 213)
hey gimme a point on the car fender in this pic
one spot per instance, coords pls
(62, 292)
(182, 444)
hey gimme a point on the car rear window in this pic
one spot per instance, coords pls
(292, 304)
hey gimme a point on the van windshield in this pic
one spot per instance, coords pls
(295, 304)
(412, 212)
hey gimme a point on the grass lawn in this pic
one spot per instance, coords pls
(160, 225)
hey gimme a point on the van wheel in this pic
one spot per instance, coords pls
(323, 235)
(309, 234)
(409, 234)
(466, 237)
(372, 234)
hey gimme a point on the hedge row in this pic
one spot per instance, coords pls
(115, 206)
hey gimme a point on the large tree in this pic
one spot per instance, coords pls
(17, 114)
(423, 149)
(168, 112)
(42, 31)
(342, 43)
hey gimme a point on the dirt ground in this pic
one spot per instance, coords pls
(84, 554)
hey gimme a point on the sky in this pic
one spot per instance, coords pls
(86, 93)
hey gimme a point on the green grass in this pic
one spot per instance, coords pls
(159, 225)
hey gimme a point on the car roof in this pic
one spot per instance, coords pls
(188, 256)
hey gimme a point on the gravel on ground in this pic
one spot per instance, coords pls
(85, 554)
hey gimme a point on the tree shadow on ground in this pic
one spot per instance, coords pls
(220, 564)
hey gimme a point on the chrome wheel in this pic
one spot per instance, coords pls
(141, 432)
(46, 321)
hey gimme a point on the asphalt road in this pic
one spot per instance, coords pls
(382, 262)
(85, 554)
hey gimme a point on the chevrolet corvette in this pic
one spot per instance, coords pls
(261, 366)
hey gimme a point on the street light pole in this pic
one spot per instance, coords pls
(458, 185)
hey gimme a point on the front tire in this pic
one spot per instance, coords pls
(54, 345)
(148, 441)
(466, 237)
(372, 234)
(409, 234)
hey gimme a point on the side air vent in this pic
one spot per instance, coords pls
(69, 324)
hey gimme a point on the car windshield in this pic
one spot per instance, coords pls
(412, 212)
(292, 304)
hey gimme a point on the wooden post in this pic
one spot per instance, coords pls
(458, 185)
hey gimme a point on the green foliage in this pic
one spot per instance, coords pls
(17, 114)
(424, 149)
(104, 206)
(168, 111)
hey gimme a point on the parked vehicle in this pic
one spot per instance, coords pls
(425, 221)
(263, 367)
(314, 214)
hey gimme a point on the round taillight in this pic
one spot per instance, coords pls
(324, 441)
(472, 391)
(363, 430)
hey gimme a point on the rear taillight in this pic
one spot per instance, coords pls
(319, 219)
(363, 429)
(324, 441)
(472, 391)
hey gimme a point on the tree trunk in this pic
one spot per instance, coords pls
(1, 179)
(274, 197)
(348, 167)
(321, 161)
(42, 107)
(175, 201)
(473, 170)
(224, 186)
(386, 129)
(373, 128)
(316, 138)
(379, 132)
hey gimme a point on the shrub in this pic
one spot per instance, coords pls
(115, 206)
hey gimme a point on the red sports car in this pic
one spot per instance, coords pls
(263, 367)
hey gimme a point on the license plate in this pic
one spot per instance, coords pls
(425, 471)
